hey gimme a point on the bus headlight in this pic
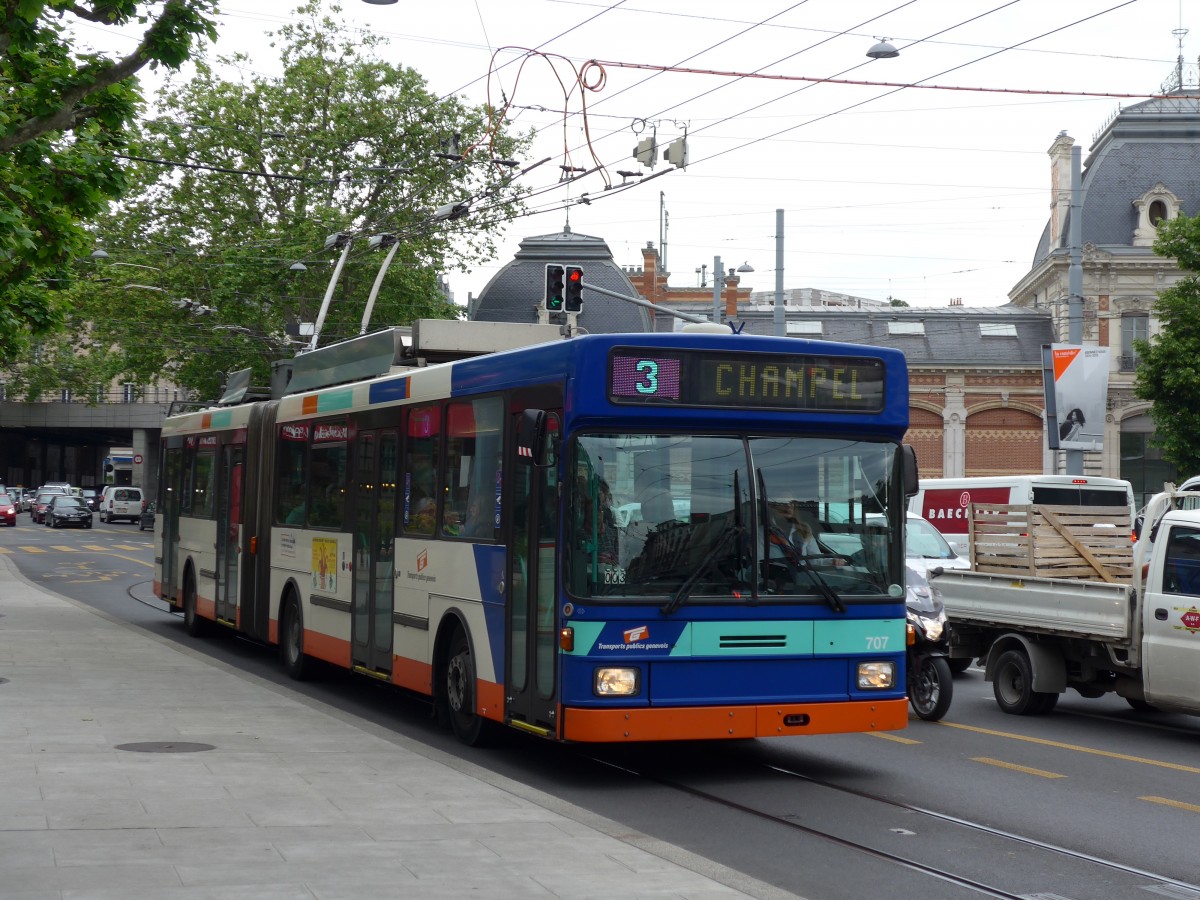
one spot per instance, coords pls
(617, 682)
(876, 675)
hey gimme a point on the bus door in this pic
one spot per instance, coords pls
(376, 473)
(532, 684)
(170, 491)
(229, 522)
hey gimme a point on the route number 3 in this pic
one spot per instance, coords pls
(649, 369)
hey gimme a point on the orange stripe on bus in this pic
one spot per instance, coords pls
(331, 649)
(206, 607)
(491, 699)
(308, 405)
(413, 675)
(715, 722)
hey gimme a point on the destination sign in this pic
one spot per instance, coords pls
(752, 380)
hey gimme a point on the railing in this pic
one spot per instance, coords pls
(1128, 362)
(129, 393)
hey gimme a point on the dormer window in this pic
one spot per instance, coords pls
(1154, 207)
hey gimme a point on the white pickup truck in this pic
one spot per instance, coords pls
(1040, 636)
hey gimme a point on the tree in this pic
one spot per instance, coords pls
(64, 117)
(1168, 372)
(236, 181)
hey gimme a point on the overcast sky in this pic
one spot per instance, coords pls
(919, 194)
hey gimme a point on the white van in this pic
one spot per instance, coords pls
(121, 502)
(945, 502)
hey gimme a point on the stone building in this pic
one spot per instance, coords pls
(1142, 168)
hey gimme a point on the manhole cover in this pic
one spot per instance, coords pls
(165, 747)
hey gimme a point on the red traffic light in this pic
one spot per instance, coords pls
(573, 295)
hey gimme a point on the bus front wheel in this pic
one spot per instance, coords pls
(469, 727)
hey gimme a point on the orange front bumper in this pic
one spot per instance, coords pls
(716, 722)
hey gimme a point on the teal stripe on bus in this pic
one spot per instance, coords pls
(586, 635)
(747, 639)
(852, 637)
(222, 419)
(855, 636)
(334, 400)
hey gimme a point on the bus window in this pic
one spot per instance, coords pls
(328, 465)
(471, 483)
(292, 474)
(420, 462)
(203, 505)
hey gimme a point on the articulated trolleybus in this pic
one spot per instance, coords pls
(623, 537)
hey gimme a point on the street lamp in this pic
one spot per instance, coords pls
(745, 267)
(883, 50)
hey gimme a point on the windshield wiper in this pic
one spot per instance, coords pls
(789, 552)
(802, 563)
(718, 553)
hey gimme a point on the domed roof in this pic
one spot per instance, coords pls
(516, 292)
(1155, 141)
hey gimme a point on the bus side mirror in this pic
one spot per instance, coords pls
(908, 459)
(531, 438)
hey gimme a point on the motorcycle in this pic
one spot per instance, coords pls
(929, 679)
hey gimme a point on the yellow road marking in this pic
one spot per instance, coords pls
(98, 547)
(888, 736)
(1190, 807)
(1041, 773)
(128, 546)
(5, 550)
(64, 548)
(140, 562)
(1091, 750)
(33, 549)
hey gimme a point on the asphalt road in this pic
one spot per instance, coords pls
(1114, 789)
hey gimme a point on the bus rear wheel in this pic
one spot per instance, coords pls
(461, 693)
(195, 625)
(291, 641)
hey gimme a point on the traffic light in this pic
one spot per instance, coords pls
(554, 288)
(646, 151)
(574, 293)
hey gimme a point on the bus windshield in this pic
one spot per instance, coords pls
(700, 517)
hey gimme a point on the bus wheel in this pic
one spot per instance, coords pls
(469, 727)
(195, 625)
(291, 641)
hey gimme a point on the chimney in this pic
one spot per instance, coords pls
(1060, 187)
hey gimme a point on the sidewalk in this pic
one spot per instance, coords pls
(294, 800)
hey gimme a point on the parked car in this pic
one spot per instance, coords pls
(146, 520)
(8, 510)
(122, 503)
(38, 509)
(65, 511)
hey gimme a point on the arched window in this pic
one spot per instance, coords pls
(1158, 213)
